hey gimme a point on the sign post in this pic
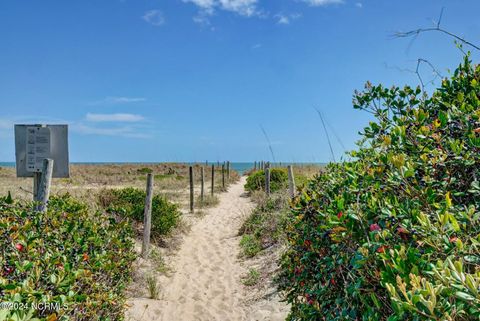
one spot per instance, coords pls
(41, 152)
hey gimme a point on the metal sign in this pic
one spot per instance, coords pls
(38, 147)
(34, 143)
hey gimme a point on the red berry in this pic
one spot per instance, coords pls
(381, 249)
(333, 281)
(340, 214)
(9, 269)
(375, 227)
(403, 233)
(19, 247)
(402, 230)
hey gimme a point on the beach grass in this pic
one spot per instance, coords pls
(86, 182)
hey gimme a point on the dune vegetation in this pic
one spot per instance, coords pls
(76, 261)
(65, 264)
(394, 233)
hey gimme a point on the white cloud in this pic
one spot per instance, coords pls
(207, 5)
(285, 19)
(256, 46)
(154, 17)
(242, 7)
(132, 130)
(125, 131)
(118, 100)
(202, 18)
(359, 5)
(128, 118)
(282, 19)
(318, 3)
(246, 8)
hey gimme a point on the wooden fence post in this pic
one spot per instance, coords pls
(255, 166)
(223, 176)
(191, 189)
(291, 181)
(202, 184)
(213, 179)
(44, 186)
(267, 179)
(147, 216)
(36, 183)
(228, 172)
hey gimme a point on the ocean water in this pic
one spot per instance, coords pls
(240, 167)
(7, 164)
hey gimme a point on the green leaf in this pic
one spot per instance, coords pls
(464, 296)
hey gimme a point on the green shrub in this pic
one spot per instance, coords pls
(395, 233)
(144, 170)
(265, 226)
(250, 245)
(301, 181)
(66, 256)
(278, 180)
(131, 203)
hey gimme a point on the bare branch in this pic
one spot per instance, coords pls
(420, 61)
(440, 18)
(417, 72)
(438, 28)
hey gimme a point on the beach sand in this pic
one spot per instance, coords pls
(206, 282)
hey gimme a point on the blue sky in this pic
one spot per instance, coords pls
(191, 80)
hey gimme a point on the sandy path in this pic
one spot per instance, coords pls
(206, 284)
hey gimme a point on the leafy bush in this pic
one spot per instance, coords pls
(131, 203)
(394, 234)
(66, 256)
(278, 180)
(301, 181)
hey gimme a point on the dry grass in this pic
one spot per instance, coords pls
(308, 170)
(153, 287)
(86, 182)
(208, 201)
